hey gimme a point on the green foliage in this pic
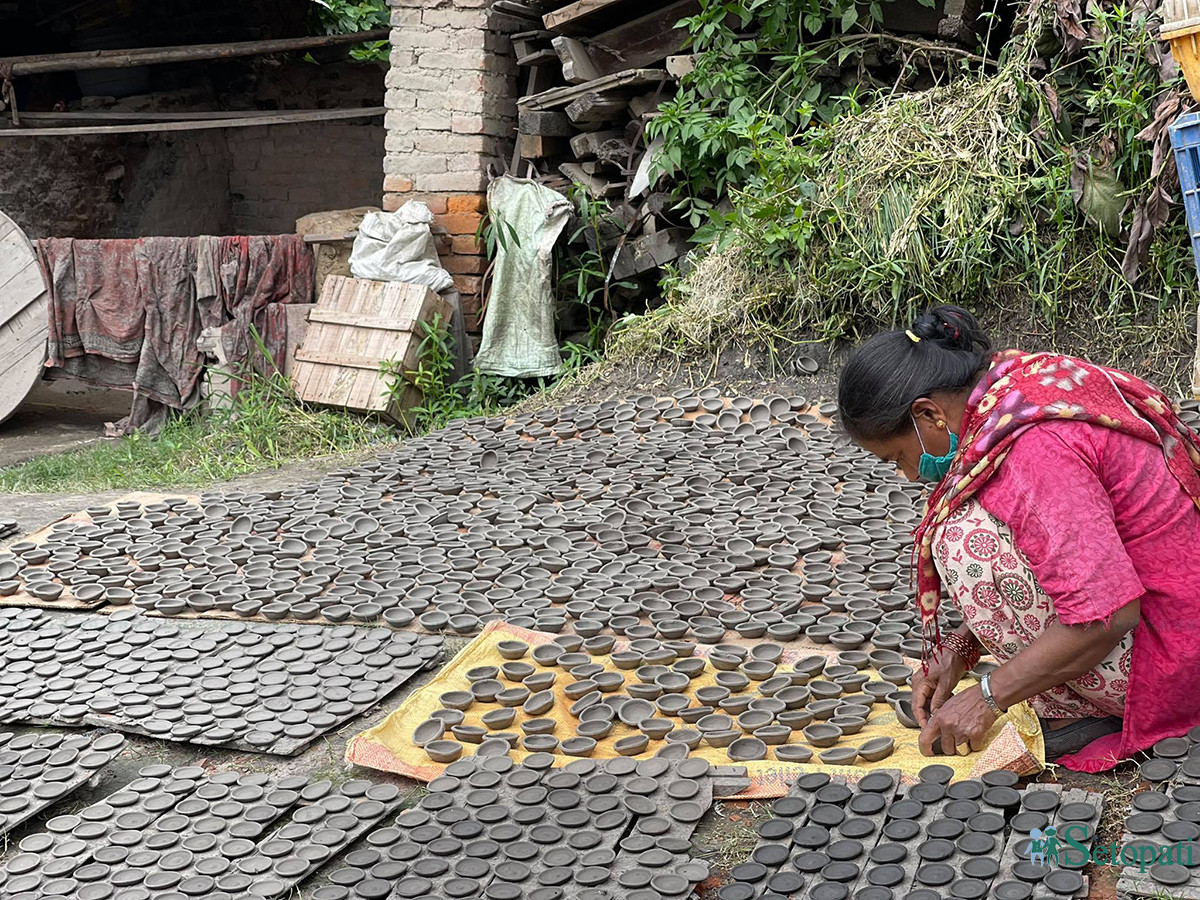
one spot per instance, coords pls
(264, 427)
(582, 273)
(475, 394)
(351, 16)
(757, 82)
(851, 209)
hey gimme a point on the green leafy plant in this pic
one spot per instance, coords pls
(445, 399)
(352, 16)
(1014, 180)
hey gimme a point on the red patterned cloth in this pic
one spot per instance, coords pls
(1101, 496)
(993, 585)
(128, 313)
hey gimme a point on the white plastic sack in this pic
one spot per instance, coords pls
(399, 247)
(518, 330)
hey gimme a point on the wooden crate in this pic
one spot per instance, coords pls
(355, 326)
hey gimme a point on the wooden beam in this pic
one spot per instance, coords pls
(615, 151)
(330, 238)
(651, 252)
(536, 146)
(121, 59)
(643, 41)
(594, 108)
(136, 116)
(585, 145)
(681, 65)
(316, 115)
(556, 98)
(646, 104)
(577, 66)
(544, 122)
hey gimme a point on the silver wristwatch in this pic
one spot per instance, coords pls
(985, 685)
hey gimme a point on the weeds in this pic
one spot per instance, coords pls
(444, 400)
(264, 427)
(851, 208)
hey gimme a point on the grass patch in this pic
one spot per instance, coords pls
(265, 427)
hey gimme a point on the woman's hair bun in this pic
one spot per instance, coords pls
(951, 327)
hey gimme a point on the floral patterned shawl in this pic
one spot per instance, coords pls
(1019, 391)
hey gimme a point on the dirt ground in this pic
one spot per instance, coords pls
(726, 836)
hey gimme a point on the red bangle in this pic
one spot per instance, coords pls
(962, 647)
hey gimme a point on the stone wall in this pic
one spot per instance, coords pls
(451, 99)
(116, 186)
(278, 174)
(221, 181)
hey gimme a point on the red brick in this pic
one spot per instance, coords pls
(397, 184)
(465, 265)
(468, 284)
(467, 203)
(435, 202)
(460, 222)
(470, 309)
(465, 245)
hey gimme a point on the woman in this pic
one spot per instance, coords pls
(1063, 523)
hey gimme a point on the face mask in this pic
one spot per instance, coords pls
(934, 468)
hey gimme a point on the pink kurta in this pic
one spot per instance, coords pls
(1103, 522)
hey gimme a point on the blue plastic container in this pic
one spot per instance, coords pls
(1185, 140)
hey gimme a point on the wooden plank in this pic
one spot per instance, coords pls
(91, 115)
(538, 58)
(651, 252)
(365, 320)
(556, 98)
(573, 18)
(535, 146)
(594, 108)
(577, 65)
(585, 145)
(338, 359)
(544, 123)
(643, 41)
(24, 322)
(285, 118)
(141, 56)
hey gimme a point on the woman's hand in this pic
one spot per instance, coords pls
(932, 689)
(963, 719)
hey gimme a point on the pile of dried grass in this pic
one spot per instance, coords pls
(879, 209)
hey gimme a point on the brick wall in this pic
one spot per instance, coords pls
(280, 173)
(451, 99)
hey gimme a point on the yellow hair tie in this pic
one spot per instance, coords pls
(912, 337)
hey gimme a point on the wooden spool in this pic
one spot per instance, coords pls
(24, 324)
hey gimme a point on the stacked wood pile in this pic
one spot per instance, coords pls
(594, 73)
